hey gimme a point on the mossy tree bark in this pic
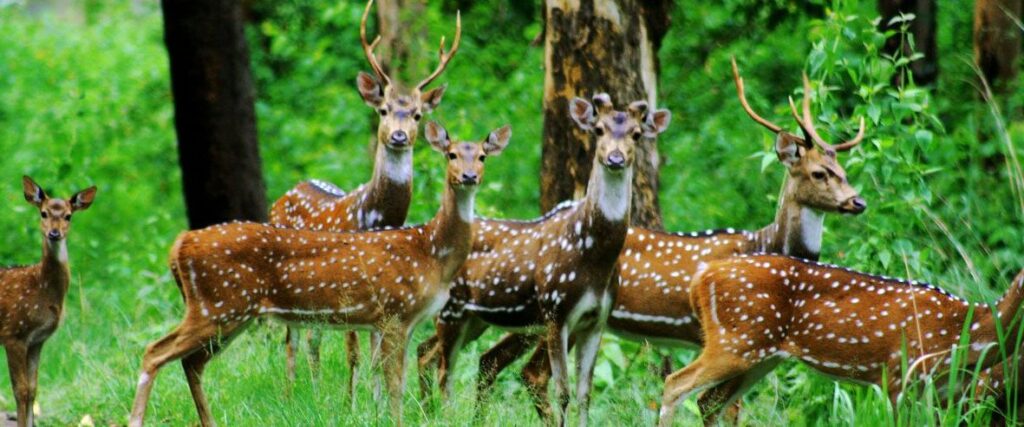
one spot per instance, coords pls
(997, 41)
(593, 46)
(214, 114)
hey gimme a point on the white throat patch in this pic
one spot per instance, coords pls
(398, 165)
(613, 192)
(464, 200)
(811, 224)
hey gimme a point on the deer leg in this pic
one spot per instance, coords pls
(290, 343)
(393, 348)
(194, 364)
(185, 339)
(723, 396)
(34, 351)
(314, 337)
(502, 354)
(558, 355)
(707, 371)
(452, 341)
(536, 375)
(427, 355)
(586, 354)
(352, 347)
(18, 367)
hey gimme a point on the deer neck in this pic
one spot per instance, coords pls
(609, 194)
(797, 229)
(388, 194)
(391, 168)
(54, 266)
(451, 229)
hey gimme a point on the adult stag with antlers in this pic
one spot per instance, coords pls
(32, 297)
(382, 202)
(385, 280)
(756, 311)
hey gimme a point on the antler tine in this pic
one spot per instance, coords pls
(445, 56)
(743, 101)
(846, 146)
(369, 47)
(808, 122)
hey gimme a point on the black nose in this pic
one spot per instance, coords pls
(616, 160)
(855, 205)
(53, 234)
(399, 137)
(469, 177)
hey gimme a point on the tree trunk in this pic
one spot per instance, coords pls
(594, 46)
(213, 112)
(921, 31)
(401, 31)
(997, 41)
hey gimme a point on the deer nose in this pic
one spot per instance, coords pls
(53, 235)
(616, 160)
(399, 138)
(469, 177)
(856, 205)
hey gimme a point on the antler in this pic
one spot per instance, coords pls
(444, 56)
(743, 100)
(368, 47)
(807, 124)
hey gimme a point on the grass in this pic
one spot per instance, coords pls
(89, 103)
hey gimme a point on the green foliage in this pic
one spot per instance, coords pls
(89, 103)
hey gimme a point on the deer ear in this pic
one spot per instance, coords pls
(83, 199)
(437, 136)
(432, 98)
(582, 113)
(370, 90)
(789, 148)
(34, 194)
(656, 123)
(497, 140)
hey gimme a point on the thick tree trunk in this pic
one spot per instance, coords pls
(401, 32)
(997, 41)
(922, 31)
(213, 112)
(594, 46)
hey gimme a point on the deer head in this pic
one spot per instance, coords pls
(617, 132)
(55, 214)
(816, 179)
(466, 159)
(400, 108)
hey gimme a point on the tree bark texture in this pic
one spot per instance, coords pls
(923, 32)
(594, 46)
(997, 41)
(213, 111)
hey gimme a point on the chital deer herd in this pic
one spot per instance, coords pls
(748, 299)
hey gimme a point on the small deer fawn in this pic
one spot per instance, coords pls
(756, 311)
(387, 280)
(32, 297)
(554, 272)
(382, 202)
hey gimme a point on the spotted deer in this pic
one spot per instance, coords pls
(32, 297)
(655, 268)
(382, 202)
(554, 273)
(386, 280)
(756, 311)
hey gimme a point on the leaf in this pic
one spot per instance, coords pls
(874, 112)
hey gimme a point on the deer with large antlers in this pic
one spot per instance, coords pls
(386, 280)
(32, 297)
(756, 311)
(655, 268)
(554, 273)
(382, 202)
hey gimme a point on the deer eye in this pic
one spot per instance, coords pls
(417, 117)
(382, 112)
(43, 214)
(451, 156)
(482, 158)
(598, 131)
(819, 175)
(67, 217)
(636, 136)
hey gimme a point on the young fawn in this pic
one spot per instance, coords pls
(756, 311)
(553, 273)
(32, 297)
(382, 202)
(387, 281)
